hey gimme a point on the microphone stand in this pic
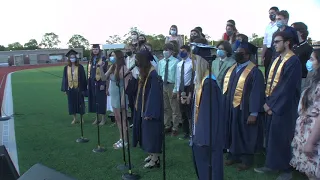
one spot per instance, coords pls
(99, 149)
(209, 60)
(79, 105)
(163, 130)
(129, 175)
(123, 166)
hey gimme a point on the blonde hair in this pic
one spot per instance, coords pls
(201, 68)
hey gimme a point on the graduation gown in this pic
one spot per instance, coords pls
(75, 95)
(283, 94)
(149, 103)
(201, 132)
(97, 97)
(244, 93)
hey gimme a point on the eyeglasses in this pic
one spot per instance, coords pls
(277, 41)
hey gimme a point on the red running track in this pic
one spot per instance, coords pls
(4, 71)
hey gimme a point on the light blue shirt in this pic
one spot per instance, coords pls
(171, 69)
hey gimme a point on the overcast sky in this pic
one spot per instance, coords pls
(96, 20)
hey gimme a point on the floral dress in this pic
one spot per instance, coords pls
(304, 125)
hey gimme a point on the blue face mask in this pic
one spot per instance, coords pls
(309, 66)
(166, 54)
(173, 32)
(183, 54)
(221, 53)
(112, 59)
(280, 24)
(73, 59)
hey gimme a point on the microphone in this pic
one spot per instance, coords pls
(5, 118)
(129, 71)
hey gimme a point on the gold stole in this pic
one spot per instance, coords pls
(143, 91)
(98, 76)
(198, 96)
(73, 79)
(270, 87)
(240, 85)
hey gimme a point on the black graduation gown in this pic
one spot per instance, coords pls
(149, 133)
(97, 98)
(201, 137)
(283, 102)
(242, 138)
(76, 103)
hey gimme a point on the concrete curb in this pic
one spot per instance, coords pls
(7, 130)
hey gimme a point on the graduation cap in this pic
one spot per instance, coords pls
(145, 51)
(71, 52)
(202, 50)
(250, 48)
(96, 46)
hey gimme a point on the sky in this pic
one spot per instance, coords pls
(96, 20)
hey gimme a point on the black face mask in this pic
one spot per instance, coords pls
(272, 17)
(129, 53)
(192, 38)
(141, 42)
(239, 57)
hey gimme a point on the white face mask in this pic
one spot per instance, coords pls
(73, 59)
(134, 36)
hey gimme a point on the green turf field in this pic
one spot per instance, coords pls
(44, 135)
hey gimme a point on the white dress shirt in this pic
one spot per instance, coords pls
(187, 74)
(130, 61)
(270, 30)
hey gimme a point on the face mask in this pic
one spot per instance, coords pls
(239, 57)
(134, 36)
(73, 59)
(272, 17)
(221, 53)
(280, 24)
(309, 66)
(112, 59)
(129, 53)
(183, 54)
(173, 32)
(229, 33)
(141, 42)
(192, 38)
(166, 54)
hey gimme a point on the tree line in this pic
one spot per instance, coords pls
(51, 41)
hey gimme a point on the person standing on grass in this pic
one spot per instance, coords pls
(74, 84)
(306, 141)
(148, 115)
(167, 70)
(118, 85)
(282, 99)
(184, 88)
(201, 126)
(243, 90)
(97, 85)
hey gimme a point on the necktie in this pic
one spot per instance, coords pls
(181, 87)
(166, 72)
(220, 64)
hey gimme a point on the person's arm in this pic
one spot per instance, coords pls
(122, 73)
(314, 137)
(110, 71)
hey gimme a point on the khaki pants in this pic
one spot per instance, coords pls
(171, 108)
